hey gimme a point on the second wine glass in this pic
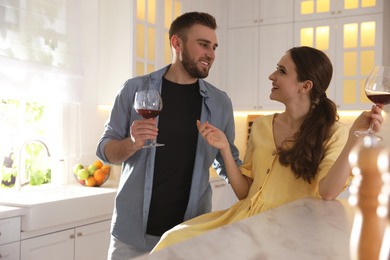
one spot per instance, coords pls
(148, 104)
(377, 89)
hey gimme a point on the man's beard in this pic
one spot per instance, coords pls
(190, 65)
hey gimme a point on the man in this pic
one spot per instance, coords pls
(161, 187)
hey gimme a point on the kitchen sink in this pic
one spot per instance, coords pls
(57, 205)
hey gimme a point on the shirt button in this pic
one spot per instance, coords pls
(273, 153)
(268, 171)
(261, 187)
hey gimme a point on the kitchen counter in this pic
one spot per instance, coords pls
(308, 228)
(9, 212)
(52, 206)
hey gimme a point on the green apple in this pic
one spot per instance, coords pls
(92, 168)
(77, 167)
(83, 174)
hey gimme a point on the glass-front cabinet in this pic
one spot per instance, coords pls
(152, 48)
(322, 9)
(350, 32)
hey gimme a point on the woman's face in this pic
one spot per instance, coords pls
(285, 86)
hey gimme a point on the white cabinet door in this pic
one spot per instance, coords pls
(80, 243)
(10, 238)
(92, 241)
(243, 13)
(58, 246)
(275, 40)
(9, 230)
(242, 67)
(10, 251)
(276, 11)
(223, 194)
(253, 53)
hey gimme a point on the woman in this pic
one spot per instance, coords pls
(302, 152)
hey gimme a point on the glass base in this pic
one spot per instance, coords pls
(152, 143)
(370, 134)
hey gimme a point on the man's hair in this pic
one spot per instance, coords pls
(183, 23)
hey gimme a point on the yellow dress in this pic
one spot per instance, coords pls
(273, 184)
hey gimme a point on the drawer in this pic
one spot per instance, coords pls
(10, 251)
(9, 230)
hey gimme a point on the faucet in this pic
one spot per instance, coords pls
(21, 172)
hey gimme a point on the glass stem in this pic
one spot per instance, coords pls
(371, 129)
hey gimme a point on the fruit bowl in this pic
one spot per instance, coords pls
(93, 175)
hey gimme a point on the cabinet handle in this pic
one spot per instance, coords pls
(1, 256)
(72, 236)
(0, 233)
(219, 185)
(79, 234)
(255, 21)
(261, 20)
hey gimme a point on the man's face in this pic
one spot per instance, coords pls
(198, 53)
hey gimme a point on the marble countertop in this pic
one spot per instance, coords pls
(308, 228)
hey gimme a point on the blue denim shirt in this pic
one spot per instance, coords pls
(135, 187)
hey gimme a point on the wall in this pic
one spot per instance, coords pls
(84, 123)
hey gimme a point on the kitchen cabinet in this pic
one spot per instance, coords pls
(114, 47)
(253, 53)
(244, 13)
(79, 243)
(259, 33)
(10, 251)
(353, 44)
(223, 194)
(306, 10)
(10, 238)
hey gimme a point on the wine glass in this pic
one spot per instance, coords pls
(377, 88)
(148, 104)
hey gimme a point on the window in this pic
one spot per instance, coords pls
(40, 78)
(20, 122)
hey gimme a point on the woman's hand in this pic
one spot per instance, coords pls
(213, 135)
(362, 123)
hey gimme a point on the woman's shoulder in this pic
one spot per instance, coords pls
(340, 128)
(340, 133)
(264, 120)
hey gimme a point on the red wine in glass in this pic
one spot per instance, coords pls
(378, 98)
(148, 113)
(148, 104)
(377, 89)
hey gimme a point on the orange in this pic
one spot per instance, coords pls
(98, 183)
(98, 164)
(106, 169)
(99, 175)
(90, 182)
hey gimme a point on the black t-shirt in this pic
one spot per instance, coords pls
(174, 162)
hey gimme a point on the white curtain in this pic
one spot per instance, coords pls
(40, 50)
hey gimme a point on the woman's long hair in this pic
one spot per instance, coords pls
(307, 149)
